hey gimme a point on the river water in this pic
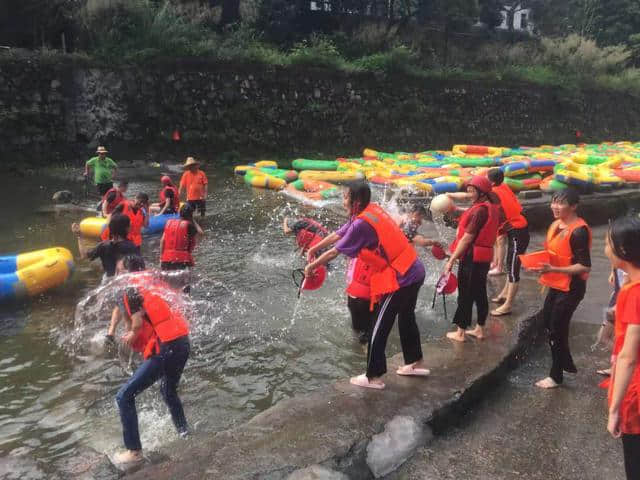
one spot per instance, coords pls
(249, 350)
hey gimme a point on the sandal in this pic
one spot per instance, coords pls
(363, 381)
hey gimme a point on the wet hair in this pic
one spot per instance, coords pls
(569, 195)
(133, 263)
(142, 197)
(359, 196)
(496, 176)
(186, 212)
(624, 238)
(119, 225)
(123, 183)
(418, 208)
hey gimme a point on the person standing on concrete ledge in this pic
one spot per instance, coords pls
(568, 245)
(473, 246)
(104, 169)
(194, 182)
(372, 236)
(516, 228)
(623, 250)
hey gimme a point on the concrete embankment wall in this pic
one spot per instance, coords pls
(58, 110)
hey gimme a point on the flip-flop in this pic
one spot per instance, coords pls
(363, 381)
(496, 313)
(498, 300)
(409, 371)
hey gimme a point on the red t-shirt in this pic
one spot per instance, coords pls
(628, 313)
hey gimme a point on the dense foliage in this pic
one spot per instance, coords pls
(575, 42)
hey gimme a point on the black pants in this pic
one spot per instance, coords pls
(518, 241)
(557, 312)
(200, 205)
(401, 303)
(631, 449)
(472, 288)
(361, 317)
(104, 188)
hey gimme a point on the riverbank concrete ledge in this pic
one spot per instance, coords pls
(346, 432)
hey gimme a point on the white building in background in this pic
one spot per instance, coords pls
(521, 20)
(320, 5)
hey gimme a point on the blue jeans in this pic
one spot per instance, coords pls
(168, 365)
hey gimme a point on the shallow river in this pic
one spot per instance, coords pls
(253, 342)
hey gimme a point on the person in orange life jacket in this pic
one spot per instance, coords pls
(473, 247)
(308, 232)
(177, 244)
(114, 197)
(568, 243)
(516, 228)
(169, 198)
(371, 235)
(165, 355)
(623, 250)
(358, 273)
(110, 250)
(138, 217)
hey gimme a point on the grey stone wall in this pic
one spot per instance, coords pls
(59, 111)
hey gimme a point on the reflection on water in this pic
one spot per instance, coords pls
(254, 342)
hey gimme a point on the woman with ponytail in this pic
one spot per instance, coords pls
(395, 274)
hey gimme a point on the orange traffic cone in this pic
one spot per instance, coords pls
(176, 136)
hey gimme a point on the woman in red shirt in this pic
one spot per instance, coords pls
(623, 249)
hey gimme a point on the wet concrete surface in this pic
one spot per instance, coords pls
(522, 432)
(334, 426)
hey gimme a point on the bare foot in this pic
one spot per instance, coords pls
(477, 332)
(547, 383)
(458, 335)
(498, 299)
(501, 310)
(128, 456)
(496, 271)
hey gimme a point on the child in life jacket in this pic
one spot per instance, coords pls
(623, 250)
(169, 199)
(157, 327)
(113, 197)
(308, 232)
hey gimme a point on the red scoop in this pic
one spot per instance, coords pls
(438, 252)
(316, 279)
(447, 284)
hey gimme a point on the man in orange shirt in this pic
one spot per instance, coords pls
(194, 183)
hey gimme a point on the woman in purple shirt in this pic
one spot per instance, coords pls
(350, 240)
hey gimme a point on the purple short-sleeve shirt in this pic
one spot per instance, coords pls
(356, 235)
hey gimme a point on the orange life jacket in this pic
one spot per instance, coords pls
(175, 201)
(167, 323)
(137, 223)
(558, 244)
(360, 282)
(483, 243)
(118, 199)
(399, 253)
(145, 341)
(177, 245)
(307, 237)
(510, 205)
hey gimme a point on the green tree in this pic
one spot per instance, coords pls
(616, 21)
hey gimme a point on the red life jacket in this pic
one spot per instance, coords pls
(486, 237)
(360, 284)
(177, 245)
(137, 223)
(175, 201)
(558, 244)
(399, 252)
(167, 323)
(119, 198)
(308, 236)
(510, 206)
(145, 341)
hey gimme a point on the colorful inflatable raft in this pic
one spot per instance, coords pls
(92, 227)
(29, 274)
